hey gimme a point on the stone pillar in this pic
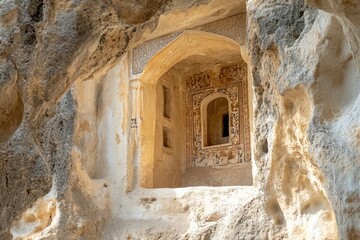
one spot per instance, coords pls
(135, 106)
(133, 164)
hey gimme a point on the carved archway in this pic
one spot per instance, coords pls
(185, 46)
(205, 116)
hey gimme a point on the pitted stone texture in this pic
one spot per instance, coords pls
(303, 66)
(44, 47)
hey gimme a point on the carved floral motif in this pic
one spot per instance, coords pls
(197, 81)
(231, 81)
(232, 73)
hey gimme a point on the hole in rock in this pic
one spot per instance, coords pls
(35, 10)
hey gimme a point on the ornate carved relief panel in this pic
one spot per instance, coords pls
(230, 81)
(232, 27)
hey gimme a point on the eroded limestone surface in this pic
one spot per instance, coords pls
(77, 133)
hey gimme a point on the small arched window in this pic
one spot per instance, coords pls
(216, 122)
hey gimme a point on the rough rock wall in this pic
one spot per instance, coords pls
(45, 46)
(335, 141)
(305, 65)
(306, 79)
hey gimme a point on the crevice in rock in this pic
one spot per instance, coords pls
(35, 10)
(28, 34)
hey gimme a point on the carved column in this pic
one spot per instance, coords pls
(135, 106)
(133, 164)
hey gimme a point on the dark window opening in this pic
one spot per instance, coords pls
(225, 125)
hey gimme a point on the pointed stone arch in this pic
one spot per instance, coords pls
(187, 45)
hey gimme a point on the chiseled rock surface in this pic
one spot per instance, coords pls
(305, 64)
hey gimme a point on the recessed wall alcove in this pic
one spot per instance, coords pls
(215, 120)
(195, 114)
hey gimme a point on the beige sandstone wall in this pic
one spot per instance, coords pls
(169, 160)
(69, 164)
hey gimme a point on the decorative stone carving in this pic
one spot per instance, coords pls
(229, 27)
(232, 73)
(231, 82)
(197, 81)
(144, 52)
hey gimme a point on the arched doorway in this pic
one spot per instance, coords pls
(197, 69)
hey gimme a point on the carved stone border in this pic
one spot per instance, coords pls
(232, 82)
(231, 27)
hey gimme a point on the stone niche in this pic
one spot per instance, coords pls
(217, 126)
(195, 114)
